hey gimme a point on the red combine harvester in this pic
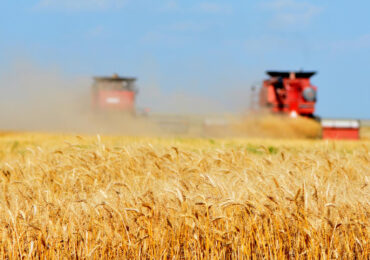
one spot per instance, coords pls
(289, 93)
(114, 94)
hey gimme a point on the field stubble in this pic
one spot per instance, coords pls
(183, 198)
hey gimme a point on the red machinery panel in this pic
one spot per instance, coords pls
(114, 93)
(340, 129)
(116, 99)
(289, 92)
(340, 133)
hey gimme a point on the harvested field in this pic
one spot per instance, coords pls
(365, 132)
(158, 198)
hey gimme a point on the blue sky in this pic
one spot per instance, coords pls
(205, 50)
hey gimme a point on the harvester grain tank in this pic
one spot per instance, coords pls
(289, 93)
(340, 129)
(114, 94)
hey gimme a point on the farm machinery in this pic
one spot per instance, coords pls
(284, 92)
(114, 93)
(293, 94)
(289, 93)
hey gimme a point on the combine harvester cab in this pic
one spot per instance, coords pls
(289, 93)
(114, 94)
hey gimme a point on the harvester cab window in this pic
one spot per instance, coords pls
(279, 84)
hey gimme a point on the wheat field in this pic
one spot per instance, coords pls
(95, 197)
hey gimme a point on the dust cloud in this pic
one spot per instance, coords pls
(264, 125)
(37, 98)
(41, 99)
(230, 98)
